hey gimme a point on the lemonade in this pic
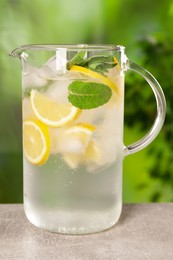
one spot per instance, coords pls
(72, 142)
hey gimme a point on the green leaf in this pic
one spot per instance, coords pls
(77, 59)
(88, 95)
(98, 63)
(101, 64)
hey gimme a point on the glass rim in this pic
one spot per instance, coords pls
(68, 47)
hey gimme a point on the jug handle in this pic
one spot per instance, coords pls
(161, 109)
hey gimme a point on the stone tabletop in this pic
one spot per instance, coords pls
(145, 231)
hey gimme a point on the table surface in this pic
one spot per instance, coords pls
(144, 231)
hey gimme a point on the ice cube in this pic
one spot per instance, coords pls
(92, 116)
(56, 68)
(58, 90)
(51, 64)
(31, 78)
(71, 145)
(45, 72)
(57, 63)
(110, 135)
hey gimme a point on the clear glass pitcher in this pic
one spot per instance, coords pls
(73, 110)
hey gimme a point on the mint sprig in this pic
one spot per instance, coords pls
(88, 95)
(98, 63)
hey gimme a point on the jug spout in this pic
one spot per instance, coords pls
(17, 52)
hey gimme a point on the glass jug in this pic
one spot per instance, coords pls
(73, 110)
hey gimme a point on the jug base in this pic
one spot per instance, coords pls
(77, 223)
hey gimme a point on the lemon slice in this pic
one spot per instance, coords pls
(95, 75)
(36, 141)
(50, 112)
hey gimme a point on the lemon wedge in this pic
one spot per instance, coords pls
(81, 128)
(50, 112)
(116, 61)
(80, 134)
(78, 146)
(95, 75)
(92, 153)
(36, 141)
(75, 138)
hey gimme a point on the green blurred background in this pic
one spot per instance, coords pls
(146, 29)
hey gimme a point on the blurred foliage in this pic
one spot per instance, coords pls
(145, 28)
(156, 53)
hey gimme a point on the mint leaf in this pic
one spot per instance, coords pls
(99, 63)
(77, 59)
(88, 95)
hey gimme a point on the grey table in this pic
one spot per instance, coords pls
(145, 231)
